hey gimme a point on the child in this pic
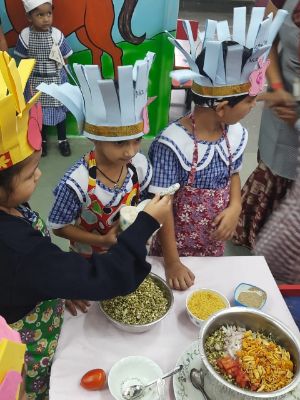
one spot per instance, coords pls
(35, 274)
(203, 151)
(91, 193)
(48, 46)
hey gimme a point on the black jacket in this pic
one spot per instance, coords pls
(32, 269)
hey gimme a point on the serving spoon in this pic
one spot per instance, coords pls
(197, 379)
(134, 391)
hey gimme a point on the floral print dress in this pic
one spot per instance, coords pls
(40, 331)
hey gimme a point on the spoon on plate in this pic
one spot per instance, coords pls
(134, 391)
(197, 379)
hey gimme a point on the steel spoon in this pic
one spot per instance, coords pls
(197, 379)
(134, 391)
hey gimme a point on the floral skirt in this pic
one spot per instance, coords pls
(40, 331)
(261, 195)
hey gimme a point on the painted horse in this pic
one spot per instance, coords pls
(91, 20)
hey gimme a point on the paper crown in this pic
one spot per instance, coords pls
(228, 74)
(106, 110)
(30, 5)
(12, 353)
(20, 122)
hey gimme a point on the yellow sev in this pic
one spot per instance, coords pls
(267, 364)
(204, 303)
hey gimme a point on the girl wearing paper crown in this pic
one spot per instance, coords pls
(113, 115)
(203, 151)
(48, 46)
(35, 274)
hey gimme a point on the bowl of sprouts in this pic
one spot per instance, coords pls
(141, 310)
(247, 354)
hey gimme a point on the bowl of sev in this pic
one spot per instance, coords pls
(202, 303)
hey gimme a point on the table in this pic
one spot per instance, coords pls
(89, 341)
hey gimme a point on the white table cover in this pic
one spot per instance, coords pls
(90, 341)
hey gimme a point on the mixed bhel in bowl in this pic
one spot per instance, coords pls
(202, 303)
(247, 354)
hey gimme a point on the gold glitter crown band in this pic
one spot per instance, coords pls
(114, 131)
(221, 91)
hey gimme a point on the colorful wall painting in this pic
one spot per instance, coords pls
(112, 33)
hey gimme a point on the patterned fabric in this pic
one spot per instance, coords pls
(167, 168)
(195, 210)
(96, 217)
(40, 331)
(261, 194)
(280, 237)
(38, 45)
(71, 192)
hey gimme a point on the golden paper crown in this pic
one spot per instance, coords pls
(16, 144)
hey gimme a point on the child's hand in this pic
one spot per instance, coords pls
(108, 240)
(159, 208)
(73, 305)
(178, 276)
(226, 223)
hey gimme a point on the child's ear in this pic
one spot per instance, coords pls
(28, 16)
(220, 108)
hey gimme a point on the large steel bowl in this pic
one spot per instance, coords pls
(216, 386)
(138, 328)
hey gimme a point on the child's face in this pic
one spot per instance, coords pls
(24, 184)
(117, 153)
(41, 17)
(232, 115)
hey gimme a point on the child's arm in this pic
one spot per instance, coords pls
(177, 274)
(227, 220)
(76, 234)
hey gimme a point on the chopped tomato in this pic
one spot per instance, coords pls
(232, 367)
(94, 379)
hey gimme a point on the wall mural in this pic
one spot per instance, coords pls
(112, 33)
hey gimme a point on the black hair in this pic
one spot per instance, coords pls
(209, 101)
(7, 176)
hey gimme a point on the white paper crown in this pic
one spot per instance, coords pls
(227, 76)
(30, 5)
(106, 110)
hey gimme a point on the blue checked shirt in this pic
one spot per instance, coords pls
(167, 169)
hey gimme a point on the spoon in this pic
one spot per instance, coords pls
(134, 391)
(197, 379)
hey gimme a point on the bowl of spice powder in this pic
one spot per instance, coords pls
(248, 295)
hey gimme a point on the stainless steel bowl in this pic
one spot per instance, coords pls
(249, 318)
(138, 328)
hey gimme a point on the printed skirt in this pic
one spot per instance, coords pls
(261, 195)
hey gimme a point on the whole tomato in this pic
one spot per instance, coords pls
(94, 379)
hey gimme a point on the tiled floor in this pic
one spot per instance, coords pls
(54, 165)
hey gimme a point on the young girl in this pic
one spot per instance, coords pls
(48, 46)
(203, 151)
(90, 194)
(35, 274)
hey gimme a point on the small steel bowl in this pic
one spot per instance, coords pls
(138, 328)
(215, 385)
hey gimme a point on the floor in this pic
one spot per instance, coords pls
(54, 165)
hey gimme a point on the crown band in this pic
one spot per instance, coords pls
(221, 91)
(114, 131)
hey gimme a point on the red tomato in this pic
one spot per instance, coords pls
(94, 379)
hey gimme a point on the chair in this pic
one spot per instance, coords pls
(291, 295)
(179, 61)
